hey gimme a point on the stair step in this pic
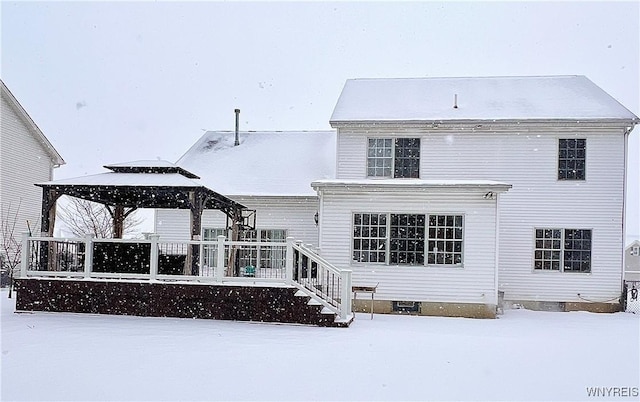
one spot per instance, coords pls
(314, 302)
(300, 293)
(326, 310)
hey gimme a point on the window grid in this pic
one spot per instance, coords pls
(406, 244)
(563, 250)
(572, 159)
(577, 250)
(407, 158)
(547, 254)
(445, 240)
(398, 158)
(379, 157)
(369, 237)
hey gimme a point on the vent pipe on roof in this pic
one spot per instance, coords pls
(237, 111)
(455, 101)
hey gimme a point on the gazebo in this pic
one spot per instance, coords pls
(142, 184)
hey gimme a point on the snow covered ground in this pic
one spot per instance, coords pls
(523, 355)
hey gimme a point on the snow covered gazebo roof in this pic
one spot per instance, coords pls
(477, 99)
(142, 184)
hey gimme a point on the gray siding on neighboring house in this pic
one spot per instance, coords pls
(632, 262)
(24, 160)
(295, 214)
(526, 157)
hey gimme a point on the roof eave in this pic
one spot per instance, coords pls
(56, 158)
(608, 122)
(399, 185)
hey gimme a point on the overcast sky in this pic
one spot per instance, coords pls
(113, 81)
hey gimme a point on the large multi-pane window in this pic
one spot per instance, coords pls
(445, 239)
(563, 250)
(572, 155)
(397, 158)
(406, 239)
(369, 237)
(403, 239)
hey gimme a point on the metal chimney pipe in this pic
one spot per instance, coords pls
(237, 111)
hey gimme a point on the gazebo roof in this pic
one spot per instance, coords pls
(143, 184)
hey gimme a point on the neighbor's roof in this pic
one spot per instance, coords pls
(40, 137)
(573, 98)
(266, 163)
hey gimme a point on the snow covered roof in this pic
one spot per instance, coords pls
(159, 184)
(273, 163)
(572, 98)
(403, 184)
(128, 179)
(150, 166)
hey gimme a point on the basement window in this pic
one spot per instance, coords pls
(406, 306)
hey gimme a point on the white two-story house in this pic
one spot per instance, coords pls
(451, 193)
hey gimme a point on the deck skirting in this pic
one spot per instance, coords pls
(222, 302)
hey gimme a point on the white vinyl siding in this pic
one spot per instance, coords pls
(23, 162)
(293, 214)
(527, 158)
(472, 282)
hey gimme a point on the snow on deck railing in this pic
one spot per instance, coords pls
(241, 262)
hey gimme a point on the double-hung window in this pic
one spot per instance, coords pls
(408, 239)
(572, 159)
(396, 158)
(563, 250)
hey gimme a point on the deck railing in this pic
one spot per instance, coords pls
(240, 263)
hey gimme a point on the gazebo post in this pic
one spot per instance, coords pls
(47, 223)
(196, 200)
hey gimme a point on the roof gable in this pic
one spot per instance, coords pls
(33, 127)
(572, 98)
(266, 163)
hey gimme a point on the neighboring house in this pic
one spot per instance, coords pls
(26, 157)
(632, 262)
(449, 193)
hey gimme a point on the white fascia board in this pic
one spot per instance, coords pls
(400, 185)
(490, 124)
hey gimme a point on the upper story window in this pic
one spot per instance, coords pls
(572, 159)
(397, 158)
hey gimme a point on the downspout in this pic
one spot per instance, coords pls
(497, 251)
(627, 131)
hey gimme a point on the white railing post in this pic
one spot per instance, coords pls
(345, 297)
(88, 256)
(289, 261)
(153, 262)
(26, 252)
(299, 244)
(219, 271)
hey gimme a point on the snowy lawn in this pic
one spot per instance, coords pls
(523, 355)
